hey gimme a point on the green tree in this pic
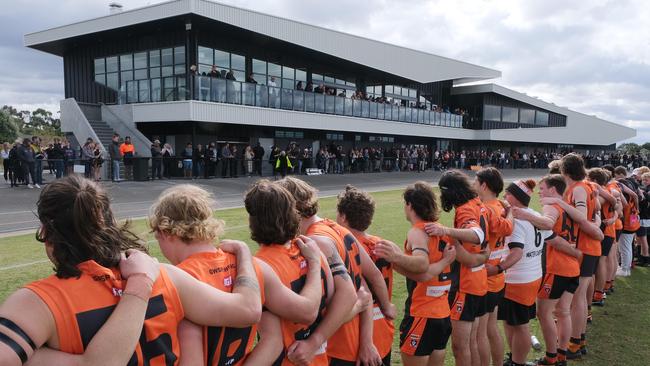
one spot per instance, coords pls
(8, 129)
(629, 148)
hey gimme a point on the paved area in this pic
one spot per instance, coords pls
(133, 199)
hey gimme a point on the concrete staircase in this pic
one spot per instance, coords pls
(104, 132)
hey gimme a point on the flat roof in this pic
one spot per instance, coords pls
(408, 63)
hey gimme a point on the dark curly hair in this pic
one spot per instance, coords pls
(492, 179)
(422, 200)
(77, 221)
(304, 194)
(357, 206)
(455, 189)
(598, 175)
(273, 218)
(573, 166)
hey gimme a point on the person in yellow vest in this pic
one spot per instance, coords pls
(282, 163)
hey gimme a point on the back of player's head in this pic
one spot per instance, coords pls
(554, 167)
(455, 189)
(620, 171)
(556, 181)
(77, 221)
(185, 211)
(492, 179)
(357, 206)
(609, 168)
(573, 167)
(422, 199)
(598, 176)
(304, 194)
(272, 214)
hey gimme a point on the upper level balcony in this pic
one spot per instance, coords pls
(220, 90)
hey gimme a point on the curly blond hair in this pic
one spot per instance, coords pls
(305, 195)
(185, 211)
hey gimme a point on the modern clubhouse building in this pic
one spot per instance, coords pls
(148, 73)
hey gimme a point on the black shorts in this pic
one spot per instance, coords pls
(554, 286)
(493, 299)
(466, 307)
(422, 336)
(618, 234)
(641, 231)
(606, 246)
(336, 362)
(588, 265)
(515, 313)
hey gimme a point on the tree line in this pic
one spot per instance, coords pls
(15, 123)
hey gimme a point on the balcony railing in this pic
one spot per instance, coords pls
(234, 92)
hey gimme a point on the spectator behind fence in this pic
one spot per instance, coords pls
(248, 160)
(55, 157)
(187, 154)
(115, 156)
(38, 159)
(226, 156)
(258, 155)
(156, 160)
(69, 158)
(128, 153)
(87, 156)
(98, 162)
(27, 161)
(16, 174)
(167, 154)
(4, 153)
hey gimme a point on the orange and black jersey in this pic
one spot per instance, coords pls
(344, 343)
(471, 215)
(586, 244)
(557, 262)
(222, 345)
(631, 220)
(607, 212)
(292, 268)
(498, 229)
(81, 306)
(383, 329)
(429, 299)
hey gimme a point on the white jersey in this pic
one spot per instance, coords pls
(530, 240)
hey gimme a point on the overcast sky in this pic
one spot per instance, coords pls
(591, 56)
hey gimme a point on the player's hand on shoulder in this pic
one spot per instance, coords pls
(449, 254)
(309, 249)
(134, 262)
(387, 250)
(236, 247)
(435, 229)
(549, 200)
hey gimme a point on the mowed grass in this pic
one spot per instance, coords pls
(617, 337)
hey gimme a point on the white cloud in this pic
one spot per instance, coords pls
(592, 56)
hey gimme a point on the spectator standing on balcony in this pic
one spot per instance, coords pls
(87, 156)
(214, 73)
(156, 160)
(309, 87)
(273, 93)
(226, 157)
(258, 155)
(27, 159)
(128, 153)
(230, 75)
(320, 89)
(115, 155)
(299, 86)
(167, 154)
(251, 79)
(248, 160)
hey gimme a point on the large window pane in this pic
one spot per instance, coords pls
(155, 90)
(389, 89)
(140, 60)
(112, 80)
(301, 75)
(287, 83)
(205, 56)
(154, 72)
(541, 118)
(167, 56)
(179, 55)
(126, 62)
(287, 73)
(154, 58)
(167, 71)
(274, 69)
(179, 69)
(315, 77)
(492, 113)
(111, 64)
(126, 75)
(527, 116)
(238, 62)
(143, 91)
(222, 58)
(140, 74)
(259, 67)
(413, 93)
(510, 115)
(100, 78)
(100, 65)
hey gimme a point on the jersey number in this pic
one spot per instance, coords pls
(231, 344)
(538, 238)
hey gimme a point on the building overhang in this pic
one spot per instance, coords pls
(407, 63)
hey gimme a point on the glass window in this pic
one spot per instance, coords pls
(238, 62)
(288, 73)
(541, 118)
(389, 89)
(259, 67)
(316, 77)
(112, 80)
(154, 72)
(143, 90)
(126, 62)
(510, 115)
(222, 59)
(260, 78)
(239, 75)
(140, 60)
(413, 93)
(167, 56)
(167, 70)
(492, 113)
(397, 90)
(301, 75)
(179, 69)
(329, 79)
(527, 116)
(100, 66)
(287, 83)
(179, 55)
(154, 58)
(126, 75)
(205, 56)
(100, 78)
(155, 90)
(111, 64)
(274, 69)
(350, 83)
(140, 74)
(204, 69)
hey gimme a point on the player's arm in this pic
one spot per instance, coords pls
(435, 269)
(471, 234)
(503, 225)
(630, 193)
(542, 222)
(606, 195)
(417, 262)
(470, 259)
(190, 337)
(270, 345)
(338, 310)
(282, 301)
(36, 327)
(516, 244)
(376, 284)
(206, 305)
(367, 353)
(564, 246)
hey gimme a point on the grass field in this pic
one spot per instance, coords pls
(617, 336)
